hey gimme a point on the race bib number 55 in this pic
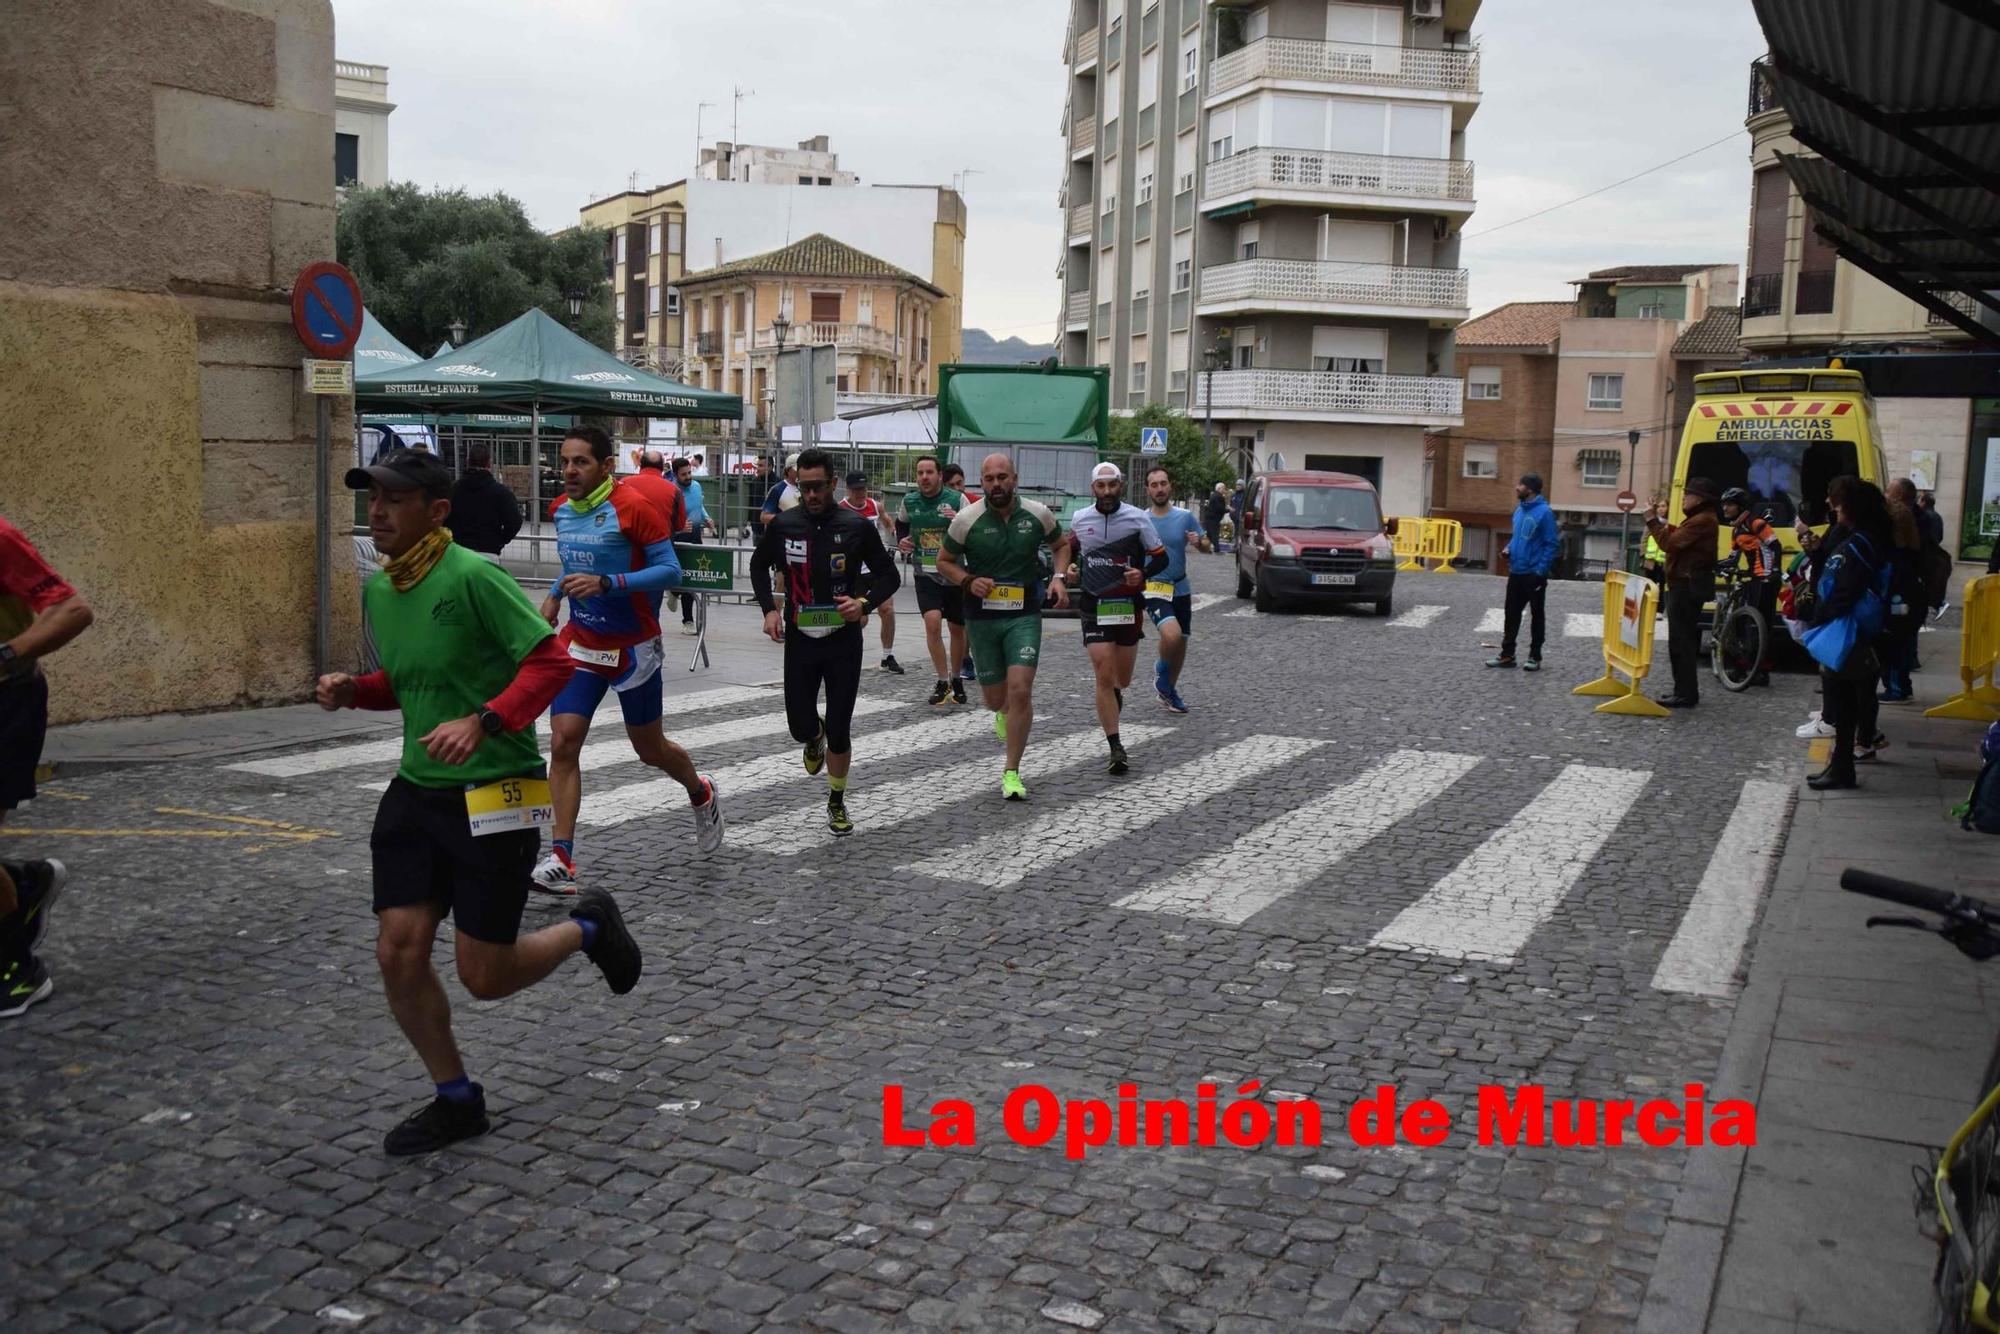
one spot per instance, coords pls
(508, 805)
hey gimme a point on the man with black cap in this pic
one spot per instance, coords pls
(1531, 554)
(484, 513)
(1690, 549)
(860, 502)
(471, 664)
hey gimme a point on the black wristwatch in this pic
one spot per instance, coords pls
(8, 657)
(491, 723)
(609, 582)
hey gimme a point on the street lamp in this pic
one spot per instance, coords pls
(781, 326)
(575, 298)
(457, 331)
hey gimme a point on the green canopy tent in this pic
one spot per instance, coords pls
(378, 352)
(444, 350)
(534, 364)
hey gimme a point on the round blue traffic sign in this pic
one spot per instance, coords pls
(326, 309)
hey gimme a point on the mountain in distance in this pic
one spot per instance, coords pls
(981, 350)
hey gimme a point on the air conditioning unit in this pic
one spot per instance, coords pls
(1426, 9)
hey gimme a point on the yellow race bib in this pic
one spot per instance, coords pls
(508, 805)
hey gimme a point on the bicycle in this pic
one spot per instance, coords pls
(1741, 638)
(1961, 1190)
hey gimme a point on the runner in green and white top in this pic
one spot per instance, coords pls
(992, 552)
(928, 511)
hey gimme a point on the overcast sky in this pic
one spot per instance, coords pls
(558, 102)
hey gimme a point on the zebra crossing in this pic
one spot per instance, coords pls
(917, 768)
(1492, 620)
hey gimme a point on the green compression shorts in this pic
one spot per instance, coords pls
(1000, 642)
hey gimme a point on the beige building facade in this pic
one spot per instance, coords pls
(361, 108)
(645, 245)
(150, 352)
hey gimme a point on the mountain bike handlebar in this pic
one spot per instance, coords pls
(1909, 895)
(1971, 925)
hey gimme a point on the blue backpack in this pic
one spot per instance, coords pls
(1981, 811)
(1832, 643)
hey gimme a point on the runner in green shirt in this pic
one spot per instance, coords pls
(472, 664)
(992, 553)
(929, 511)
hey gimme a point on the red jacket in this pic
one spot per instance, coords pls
(664, 495)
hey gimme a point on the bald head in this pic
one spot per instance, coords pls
(996, 478)
(1904, 490)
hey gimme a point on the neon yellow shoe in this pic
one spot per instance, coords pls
(1011, 786)
(815, 754)
(1000, 725)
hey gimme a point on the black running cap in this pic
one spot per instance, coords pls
(405, 470)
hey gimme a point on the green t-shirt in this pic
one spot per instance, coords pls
(1005, 551)
(449, 645)
(925, 522)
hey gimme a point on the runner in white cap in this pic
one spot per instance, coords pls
(1117, 550)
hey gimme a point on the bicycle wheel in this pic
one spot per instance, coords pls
(1740, 642)
(1971, 1259)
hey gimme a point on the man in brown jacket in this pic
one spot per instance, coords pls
(1690, 548)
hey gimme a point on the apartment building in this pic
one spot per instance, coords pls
(1507, 359)
(361, 108)
(818, 291)
(1262, 205)
(658, 236)
(1802, 301)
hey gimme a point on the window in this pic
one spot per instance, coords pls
(1483, 382)
(1114, 93)
(653, 238)
(618, 246)
(1601, 467)
(1110, 201)
(805, 180)
(1352, 351)
(864, 303)
(1183, 261)
(1145, 171)
(1142, 269)
(1149, 78)
(346, 159)
(1190, 61)
(1138, 377)
(1763, 292)
(673, 301)
(1607, 392)
(621, 307)
(1481, 461)
(826, 307)
(1653, 311)
(1243, 347)
(826, 180)
(674, 236)
(1248, 236)
(1418, 131)
(653, 299)
(1184, 162)
(1222, 131)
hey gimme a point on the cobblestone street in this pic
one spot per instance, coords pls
(1363, 859)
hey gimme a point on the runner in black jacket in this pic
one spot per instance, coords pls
(836, 572)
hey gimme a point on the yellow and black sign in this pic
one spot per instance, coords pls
(1753, 429)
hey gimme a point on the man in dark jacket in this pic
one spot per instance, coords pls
(1531, 555)
(1690, 548)
(484, 514)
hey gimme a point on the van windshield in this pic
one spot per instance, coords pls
(1787, 477)
(1334, 508)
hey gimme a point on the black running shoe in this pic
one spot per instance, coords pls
(836, 816)
(1119, 763)
(614, 951)
(958, 690)
(38, 886)
(889, 664)
(941, 692)
(23, 981)
(444, 1122)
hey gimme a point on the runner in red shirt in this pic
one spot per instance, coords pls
(652, 482)
(39, 613)
(858, 500)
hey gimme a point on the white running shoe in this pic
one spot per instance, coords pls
(708, 819)
(1815, 728)
(553, 875)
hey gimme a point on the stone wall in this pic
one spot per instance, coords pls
(170, 168)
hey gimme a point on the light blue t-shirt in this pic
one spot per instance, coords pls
(697, 514)
(1173, 528)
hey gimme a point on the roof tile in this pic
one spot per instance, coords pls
(1717, 334)
(1517, 324)
(817, 256)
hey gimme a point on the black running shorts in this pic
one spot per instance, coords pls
(425, 853)
(1123, 635)
(24, 724)
(937, 595)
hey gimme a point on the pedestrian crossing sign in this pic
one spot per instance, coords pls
(1152, 439)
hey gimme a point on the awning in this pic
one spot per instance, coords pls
(1901, 105)
(1599, 456)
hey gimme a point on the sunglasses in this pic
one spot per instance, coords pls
(815, 486)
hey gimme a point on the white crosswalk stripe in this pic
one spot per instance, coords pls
(1203, 600)
(387, 752)
(1491, 903)
(892, 803)
(616, 748)
(1010, 855)
(1492, 623)
(1284, 854)
(1701, 958)
(1575, 625)
(634, 801)
(1417, 618)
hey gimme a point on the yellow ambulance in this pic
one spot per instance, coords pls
(1782, 435)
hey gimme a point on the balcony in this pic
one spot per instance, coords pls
(1076, 311)
(863, 338)
(1354, 180)
(1328, 287)
(1080, 224)
(1421, 400)
(1812, 292)
(1083, 137)
(708, 343)
(1959, 302)
(1289, 60)
(1763, 294)
(1763, 93)
(1084, 52)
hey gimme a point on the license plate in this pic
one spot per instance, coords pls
(1005, 597)
(1338, 580)
(1116, 611)
(510, 804)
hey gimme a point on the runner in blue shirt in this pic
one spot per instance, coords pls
(1169, 596)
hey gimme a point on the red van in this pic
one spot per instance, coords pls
(1315, 538)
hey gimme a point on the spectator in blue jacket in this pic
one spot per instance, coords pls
(1531, 554)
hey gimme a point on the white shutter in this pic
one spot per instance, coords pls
(1357, 126)
(1298, 122)
(1417, 131)
(1149, 78)
(1363, 242)
(1354, 349)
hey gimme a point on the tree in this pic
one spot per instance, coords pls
(1196, 465)
(426, 258)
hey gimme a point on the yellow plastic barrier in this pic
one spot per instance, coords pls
(1409, 542)
(1444, 538)
(1978, 653)
(1629, 604)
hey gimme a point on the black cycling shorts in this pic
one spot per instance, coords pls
(425, 853)
(24, 725)
(835, 663)
(1123, 635)
(939, 596)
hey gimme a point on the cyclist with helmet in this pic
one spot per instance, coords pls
(1752, 539)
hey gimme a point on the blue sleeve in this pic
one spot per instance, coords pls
(663, 570)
